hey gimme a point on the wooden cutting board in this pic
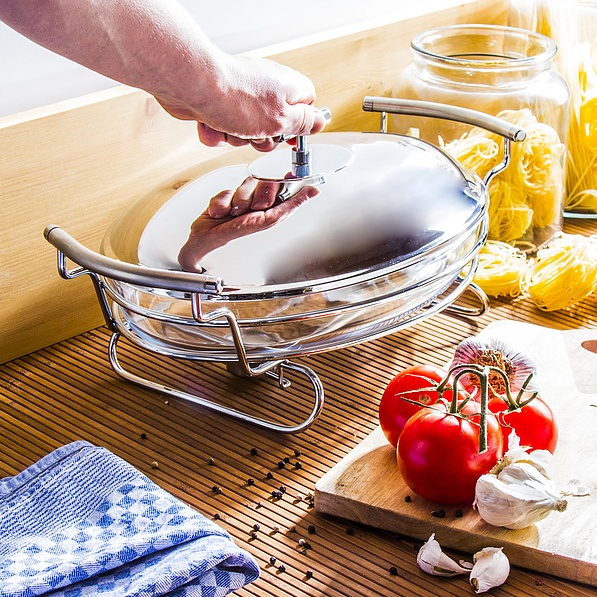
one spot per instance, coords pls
(366, 486)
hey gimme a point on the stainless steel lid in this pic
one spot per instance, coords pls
(385, 202)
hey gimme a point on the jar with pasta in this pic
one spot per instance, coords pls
(506, 72)
(572, 24)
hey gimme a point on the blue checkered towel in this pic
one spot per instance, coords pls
(83, 522)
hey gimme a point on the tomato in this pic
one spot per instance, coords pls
(414, 383)
(534, 423)
(438, 453)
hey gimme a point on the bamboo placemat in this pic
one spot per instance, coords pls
(221, 467)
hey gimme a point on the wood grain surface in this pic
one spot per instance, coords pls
(68, 391)
(81, 163)
(366, 486)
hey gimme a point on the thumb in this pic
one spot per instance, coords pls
(309, 119)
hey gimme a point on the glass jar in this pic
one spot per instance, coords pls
(506, 72)
(572, 24)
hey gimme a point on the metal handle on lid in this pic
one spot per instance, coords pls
(433, 110)
(301, 154)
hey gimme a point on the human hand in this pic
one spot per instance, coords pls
(252, 101)
(234, 214)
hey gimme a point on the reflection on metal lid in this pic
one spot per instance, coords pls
(395, 200)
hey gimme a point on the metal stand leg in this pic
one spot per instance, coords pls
(263, 423)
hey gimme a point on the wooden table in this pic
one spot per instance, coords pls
(68, 392)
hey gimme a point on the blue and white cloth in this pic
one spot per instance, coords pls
(82, 522)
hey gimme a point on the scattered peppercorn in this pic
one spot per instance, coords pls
(281, 464)
(350, 531)
(538, 582)
(297, 452)
(311, 529)
(215, 489)
(250, 481)
(270, 475)
(253, 451)
(438, 513)
(394, 571)
(276, 528)
(407, 498)
(282, 568)
(211, 461)
(298, 465)
(286, 460)
(256, 527)
(276, 494)
(154, 464)
(272, 560)
(253, 535)
(309, 574)
(144, 436)
(216, 516)
(311, 504)
(459, 513)
(283, 488)
(259, 504)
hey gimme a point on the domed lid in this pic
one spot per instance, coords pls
(386, 202)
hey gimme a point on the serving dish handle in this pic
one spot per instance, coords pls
(95, 266)
(391, 105)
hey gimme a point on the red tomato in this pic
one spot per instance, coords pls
(534, 423)
(414, 383)
(438, 453)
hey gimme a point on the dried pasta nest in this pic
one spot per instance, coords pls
(561, 275)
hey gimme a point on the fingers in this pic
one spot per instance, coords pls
(233, 203)
(255, 196)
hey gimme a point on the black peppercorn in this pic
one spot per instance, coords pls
(272, 560)
(216, 516)
(144, 436)
(286, 460)
(270, 475)
(283, 488)
(297, 453)
(250, 481)
(253, 535)
(309, 574)
(281, 464)
(311, 529)
(407, 498)
(215, 489)
(438, 513)
(459, 513)
(298, 465)
(254, 451)
(350, 531)
(393, 571)
(211, 461)
(282, 568)
(256, 527)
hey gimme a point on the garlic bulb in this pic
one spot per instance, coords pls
(491, 569)
(518, 492)
(433, 560)
(494, 352)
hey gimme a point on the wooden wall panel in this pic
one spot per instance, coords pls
(80, 163)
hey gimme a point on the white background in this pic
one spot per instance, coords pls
(31, 76)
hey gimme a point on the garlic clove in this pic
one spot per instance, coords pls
(491, 569)
(434, 561)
